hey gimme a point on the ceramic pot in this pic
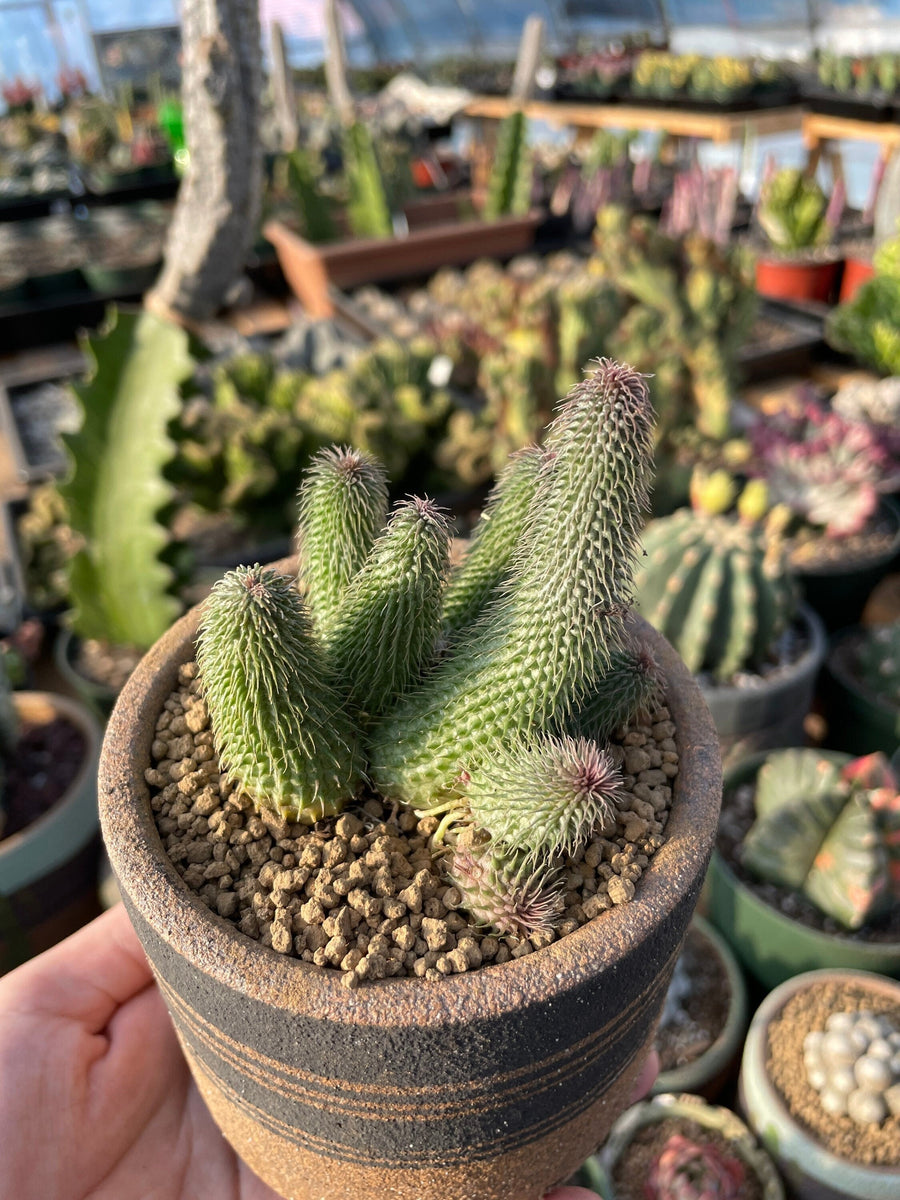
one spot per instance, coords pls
(859, 721)
(312, 270)
(771, 714)
(598, 1172)
(48, 870)
(774, 947)
(783, 279)
(707, 1074)
(490, 1084)
(812, 1171)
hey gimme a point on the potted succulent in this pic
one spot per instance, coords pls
(718, 586)
(678, 1147)
(701, 1031)
(798, 222)
(834, 477)
(49, 831)
(862, 690)
(867, 326)
(805, 870)
(820, 1084)
(352, 1080)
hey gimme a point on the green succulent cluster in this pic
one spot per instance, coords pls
(868, 326)
(859, 75)
(690, 304)
(792, 211)
(451, 691)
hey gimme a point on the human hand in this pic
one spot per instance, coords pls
(92, 1071)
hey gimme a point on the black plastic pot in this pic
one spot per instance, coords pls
(751, 719)
(859, 721)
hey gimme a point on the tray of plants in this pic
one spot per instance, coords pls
(424, 984)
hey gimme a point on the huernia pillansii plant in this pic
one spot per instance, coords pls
(828, 831)
(854, 1065)
(484, 695)
(689, 1170)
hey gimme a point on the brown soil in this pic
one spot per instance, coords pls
(811, 549)
(363, 892)
(648, 1143)
(106, 664)
(699, 1018)
(738, 814)
(803, 1013)
(46, 760)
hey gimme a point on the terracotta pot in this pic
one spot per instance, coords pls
(312, 270)
(48, 870)
(598, 1172)
(774, 947)
(707, 1074)
(786, 280)
(856, 272)
(811, 1170)
(490, 1084)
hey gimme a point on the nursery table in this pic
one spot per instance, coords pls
(821, 131)
(724, 126)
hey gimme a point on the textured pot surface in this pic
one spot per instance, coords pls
(48, 870)
(707, 1075)
(813, 1172)
(490, 1085)
(770, 715)
(772, 946)
(785, 280)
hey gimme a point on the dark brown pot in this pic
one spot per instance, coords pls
(485, 1086)
(856, 272)
(312, 270)
(785, 280)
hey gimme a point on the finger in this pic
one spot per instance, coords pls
(86, 977)
(647, 1077)
(571, 1193)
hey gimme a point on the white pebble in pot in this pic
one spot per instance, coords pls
(854, 1065)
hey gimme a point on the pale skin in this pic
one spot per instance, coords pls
(96, 1100)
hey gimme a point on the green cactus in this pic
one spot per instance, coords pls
(868, 326)
(343, 506)
(571, 580)
(367, 207)
(493, 541)
(878, 661)
(279, 727)
(389, 617)
(505, 895)
(829, 828)
(630, 686)
(119, 583)
(717, 589)
(792, 211)
(305, 184)
(509, 186)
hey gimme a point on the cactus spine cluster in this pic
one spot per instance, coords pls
(460, 709)
(830, 831)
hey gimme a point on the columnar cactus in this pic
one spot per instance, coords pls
(717, 588)
(534, 660)
(688, 1170)
(278, 723)
(829, 831)
(509, 187)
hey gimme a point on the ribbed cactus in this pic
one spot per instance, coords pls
(509, 186)
(532, 662)
(279, 726)
(878, 661)
(493, 540)
(389, 620)
(343, 506)
(505, 896)
(689, 1170)
(830, 829)
(367, 207)
(315, 212)
(631, 685)
(717, 588)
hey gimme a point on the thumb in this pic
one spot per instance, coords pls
(571, 1193)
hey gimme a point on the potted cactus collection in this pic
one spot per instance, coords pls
(798, 224)
(540, 933)
(805, 872)
(862, 690)
(820, 1083)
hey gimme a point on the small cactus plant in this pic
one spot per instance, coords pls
(689, 1170)
(491, 709)
(509, 186)
(794, 213)
(854, 1065)
(829, 831)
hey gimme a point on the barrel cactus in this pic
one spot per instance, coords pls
(829, 830)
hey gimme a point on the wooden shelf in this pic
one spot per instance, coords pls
(820, 127)
(723, 126)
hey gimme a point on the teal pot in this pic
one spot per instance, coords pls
(859, 721)
(838, 592)
(98, 696)
(811, 1170)
(490, 1084)
(708, 1074)
(771, 714)
(121, 281)
(48, 869)
(774, 947)
(599, 1171)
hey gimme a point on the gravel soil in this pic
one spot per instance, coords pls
(362, 893)
(692, 1023)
